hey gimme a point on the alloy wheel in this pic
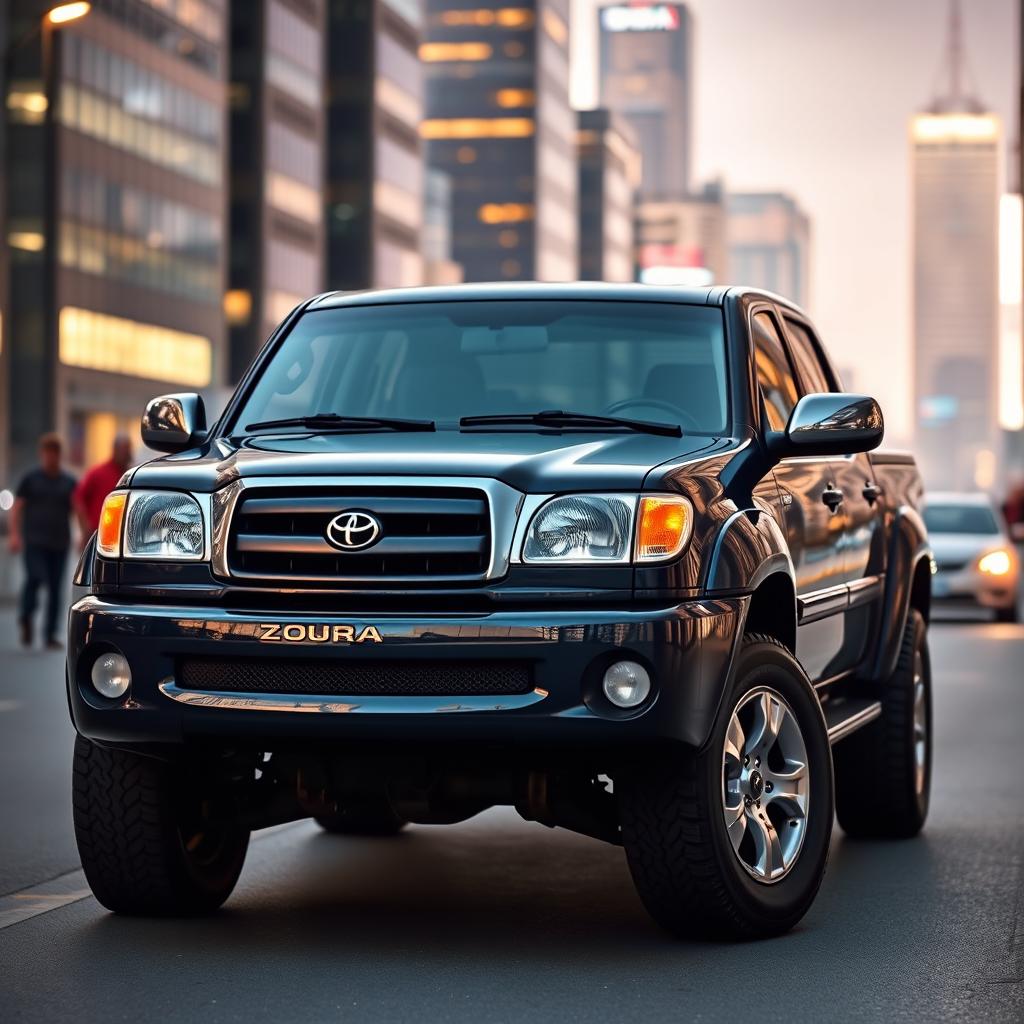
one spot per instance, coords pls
(765, 785)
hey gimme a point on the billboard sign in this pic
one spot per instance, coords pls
(640, 18)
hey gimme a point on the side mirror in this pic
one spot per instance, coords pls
(833, 424)
(173, 423)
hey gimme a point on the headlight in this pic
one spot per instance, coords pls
(582, 528)
(156, 525)
(609, 528)
(995, 563)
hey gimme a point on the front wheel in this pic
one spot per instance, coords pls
(732, 841)
(145, 837)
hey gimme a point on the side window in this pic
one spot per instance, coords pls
(812, 373)
(774, 373)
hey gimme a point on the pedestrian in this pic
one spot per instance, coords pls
(97, 483)
(41, 531)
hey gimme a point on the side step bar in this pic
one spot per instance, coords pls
(848, 714)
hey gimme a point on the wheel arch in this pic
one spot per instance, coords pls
(772, 607)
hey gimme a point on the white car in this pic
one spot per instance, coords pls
(975, 559)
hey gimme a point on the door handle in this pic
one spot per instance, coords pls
(872, 492)
(832, 496)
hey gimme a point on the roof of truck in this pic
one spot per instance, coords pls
(491, 292)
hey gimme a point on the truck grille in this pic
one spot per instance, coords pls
(427, 534)
(354, 679)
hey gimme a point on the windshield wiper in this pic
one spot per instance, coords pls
(327, 421)
(557, 418)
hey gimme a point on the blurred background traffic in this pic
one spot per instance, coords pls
(175, 175)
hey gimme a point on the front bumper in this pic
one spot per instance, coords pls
(688, 649)
(969, 586)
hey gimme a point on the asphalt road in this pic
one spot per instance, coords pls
(500, 920)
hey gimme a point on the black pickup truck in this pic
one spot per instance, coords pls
(613, 555)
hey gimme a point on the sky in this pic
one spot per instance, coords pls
(813, 97)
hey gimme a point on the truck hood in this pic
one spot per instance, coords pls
(532, 462)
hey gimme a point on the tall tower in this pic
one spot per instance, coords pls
(500, 125)
(955, 146)
(646, 77)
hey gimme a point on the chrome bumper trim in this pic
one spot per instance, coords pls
(333, 705)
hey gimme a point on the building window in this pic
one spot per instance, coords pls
(113, 344)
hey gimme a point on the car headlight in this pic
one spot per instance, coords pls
(155, 525)
(996, 563)
(609, 529)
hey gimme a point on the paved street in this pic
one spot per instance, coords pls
(500, 920)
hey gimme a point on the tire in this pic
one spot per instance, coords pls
(1010, 614)
(883, 777)
(370, 817)
(144, 845)
(688, 873)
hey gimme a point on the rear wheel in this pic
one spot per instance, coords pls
(732, 841)
(146, 839)
(883, 771)
(371, 816)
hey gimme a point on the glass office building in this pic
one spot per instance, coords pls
(375, 172)
(276, 167)
(115, 191)
(499, 123)
(609, 173)
(770, 243)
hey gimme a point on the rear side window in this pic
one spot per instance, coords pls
(774, 373)
(808, 364)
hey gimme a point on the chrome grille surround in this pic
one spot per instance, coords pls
(503, 506)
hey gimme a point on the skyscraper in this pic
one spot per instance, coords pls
(609, 169)
(276, 168)
(955, 151)
(375, 171)
(499, 123)
(646, 74)
(770, 243)
(115, 192)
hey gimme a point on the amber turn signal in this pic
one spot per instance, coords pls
(664, 525)
(108, 535)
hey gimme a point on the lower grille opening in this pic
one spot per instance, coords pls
(357, 679)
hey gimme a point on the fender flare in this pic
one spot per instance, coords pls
(749, 547)
(908, 548)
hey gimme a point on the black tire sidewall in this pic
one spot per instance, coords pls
(781, 903)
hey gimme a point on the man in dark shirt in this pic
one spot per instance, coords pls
(41, 530)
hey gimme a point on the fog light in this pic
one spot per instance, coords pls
(111, 675)
(626, 684)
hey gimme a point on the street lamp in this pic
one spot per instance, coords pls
(63, 13)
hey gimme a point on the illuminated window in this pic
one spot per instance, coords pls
(27, 241)
(112, 344)
(514, 50)
(508, 239)
(477, 128)
(515, 97)
(466, 155)
(433, 52)
(511, 268)
(505, 213)
(278, 304)
(555, 27)
(237, 306)
(293, 197)
(504, 17)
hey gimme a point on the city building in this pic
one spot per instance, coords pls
(683, 241)
(5, 479)
(646, 75)
(276, 167)
(374, 164)
(609, 174)
(955, 157)
(115, 194)
(438, 265)
(499, 123)
(770, 243)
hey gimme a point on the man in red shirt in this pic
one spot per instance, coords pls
(97, 483)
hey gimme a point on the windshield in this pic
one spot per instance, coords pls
(442, 361)
(960, 519)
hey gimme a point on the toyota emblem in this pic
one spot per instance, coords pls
(353, 531)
